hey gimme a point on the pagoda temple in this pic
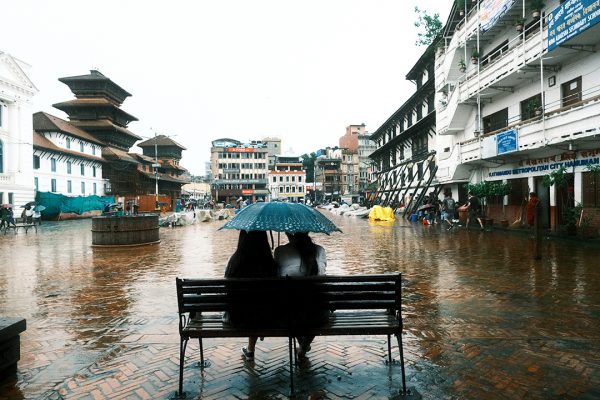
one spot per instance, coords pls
(97, 109)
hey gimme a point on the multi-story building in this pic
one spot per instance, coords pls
(66, 159)
(16, 94)
(328, 174)
(366, 147)
(239, 170)
(349, 169)
(517, 99)
(357, 140)
(287, 179)
(405, 154)
(274, 147)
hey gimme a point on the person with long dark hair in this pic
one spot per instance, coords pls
(301, 257)
(252, 259)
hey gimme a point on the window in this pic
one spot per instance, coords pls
(94, 172)
(530, 106)
(94, 150)
(35, 183)
(495, 53)
(1, 155)
(36, 162)
(82, 167)
(10, 197)
(274, 179)
(94, 188)
(53, 185)
(69, 187)
(68, 167)
(81, 147)
(571, 92)
(53, 166)
(495, 121)
(82, 187)
(299, 179)
(591, 190)
(68, 143)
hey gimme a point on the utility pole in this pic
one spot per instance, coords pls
(156, 207)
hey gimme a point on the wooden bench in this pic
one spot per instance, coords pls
(360, 305)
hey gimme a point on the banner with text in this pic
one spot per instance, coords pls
(570, 19)
(490, 12)
(541, 166)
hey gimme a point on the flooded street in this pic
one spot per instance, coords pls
(480, 314)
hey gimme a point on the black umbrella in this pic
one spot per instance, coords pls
(30, 204)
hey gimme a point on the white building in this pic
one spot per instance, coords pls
(16, 94)
(526, 105)
(66, 159)
(287, 180)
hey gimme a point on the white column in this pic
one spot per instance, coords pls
(578, 187)
(553, 196)
(531, 184)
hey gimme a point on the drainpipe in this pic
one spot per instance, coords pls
(542, 94)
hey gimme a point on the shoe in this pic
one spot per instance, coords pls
(303, 350)
(248, 355)
(450, 228)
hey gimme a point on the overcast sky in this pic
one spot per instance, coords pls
(203, 70)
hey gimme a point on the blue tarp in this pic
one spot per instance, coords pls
(58, 203)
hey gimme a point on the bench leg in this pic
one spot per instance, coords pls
(389, 349)
(182, 346)
(203, 364)
(292, 392)
(399, 337)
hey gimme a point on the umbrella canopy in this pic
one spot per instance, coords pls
(6, 205)
(30, 204)
(281, 217)
(39, 208)
(425, 207)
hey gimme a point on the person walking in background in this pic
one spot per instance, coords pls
(252, 259)
(448, 209)
(301, 257)
(474, 210)
(531, 208)
(10, 218)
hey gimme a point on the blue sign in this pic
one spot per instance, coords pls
(506, 142)
(570, 19)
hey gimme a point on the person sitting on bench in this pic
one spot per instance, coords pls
(301, 257)
(252, 259)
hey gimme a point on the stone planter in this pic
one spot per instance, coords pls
(10, 344)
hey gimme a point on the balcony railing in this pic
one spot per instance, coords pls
(7, 178)
(559, 123)
(522, 50)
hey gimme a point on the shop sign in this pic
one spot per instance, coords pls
(490, 12)
(247, 191)
(240, 150)
(570, 19)
(506, 142)
(548, 164)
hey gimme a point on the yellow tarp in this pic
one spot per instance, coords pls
(379, 213)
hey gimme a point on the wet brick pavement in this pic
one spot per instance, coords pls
(482, 319)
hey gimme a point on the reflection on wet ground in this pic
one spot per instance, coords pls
(481, 316)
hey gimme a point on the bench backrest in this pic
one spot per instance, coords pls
(290, 295)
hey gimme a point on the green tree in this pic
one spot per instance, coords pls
(308, 164)
(430, 25)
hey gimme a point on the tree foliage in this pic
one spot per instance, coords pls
(430, 26)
